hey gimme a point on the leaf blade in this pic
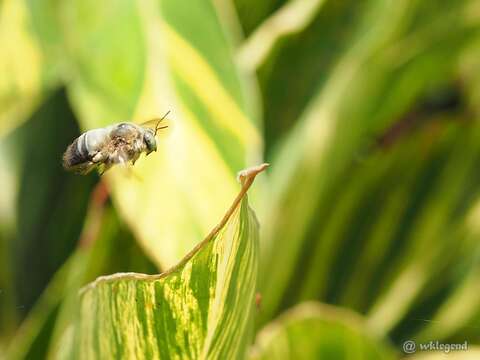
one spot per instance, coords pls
(213, 131)
(312, 330)
(200, 307)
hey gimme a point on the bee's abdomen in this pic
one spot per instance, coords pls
(76, 153)
(85, 147)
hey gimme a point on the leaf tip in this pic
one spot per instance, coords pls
(246, 176)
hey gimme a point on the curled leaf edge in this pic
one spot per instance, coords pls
(246, 178)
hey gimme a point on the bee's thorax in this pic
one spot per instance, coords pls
(119, 143)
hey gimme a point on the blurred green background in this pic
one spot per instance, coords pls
(367, 111)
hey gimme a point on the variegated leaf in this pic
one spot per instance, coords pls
(200, 308)
(179, 60)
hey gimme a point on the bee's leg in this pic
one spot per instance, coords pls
(99, 157)
(122, 161)
(135, 158)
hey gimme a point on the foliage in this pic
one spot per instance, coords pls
(314, 331)
(367, 112)
(195, 309)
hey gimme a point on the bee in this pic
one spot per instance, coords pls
(121, 143)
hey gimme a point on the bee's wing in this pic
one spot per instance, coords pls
(164, 125)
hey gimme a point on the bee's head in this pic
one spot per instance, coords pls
(150, 141)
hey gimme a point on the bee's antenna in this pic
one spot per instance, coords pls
(159, 121)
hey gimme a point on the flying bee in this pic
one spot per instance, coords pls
(121, 143)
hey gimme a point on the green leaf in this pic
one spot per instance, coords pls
(102, 234)
(436, 237)
(291, 18)
(104, 70)
(302, 54)
(43, 184)
(251, 13)
(459, 313)
(321, 207)
(21, 65)
(40, 332)
(316, 331)
(180, 61)
(200, 308)
(33, 336)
